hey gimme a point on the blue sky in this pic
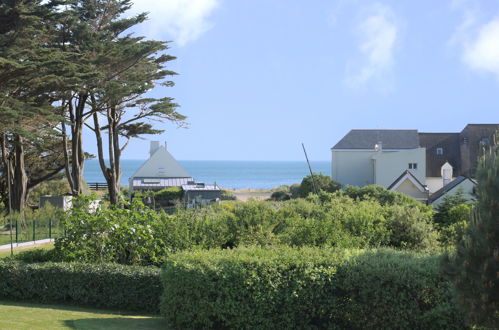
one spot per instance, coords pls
(258, 77)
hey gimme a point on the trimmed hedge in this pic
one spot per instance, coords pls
(98, 285)
(258, 288)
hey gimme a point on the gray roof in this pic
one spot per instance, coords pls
(161, 165)
(390, 139)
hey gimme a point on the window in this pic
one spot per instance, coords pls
(485, 142)
(440, 151)
(413, 166)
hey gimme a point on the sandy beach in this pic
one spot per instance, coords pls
(245, 194)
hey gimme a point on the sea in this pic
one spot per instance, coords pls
(226, 174)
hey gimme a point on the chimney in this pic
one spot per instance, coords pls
(153, 148)
(165, 146)
(447, 173)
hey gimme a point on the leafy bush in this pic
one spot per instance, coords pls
(284, 287)
(139, 235)
(322, 183)
(114, 234)
(52, 187)
(386, 289)
(412, 228)
(442, 216)
(227, 195)
(280, 196)
(381, 195)
(97, 285)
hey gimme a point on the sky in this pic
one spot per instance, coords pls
(256, 78)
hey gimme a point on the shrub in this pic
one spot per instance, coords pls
(442, 216)
(97, 285)
(114, 234)
(280, 196)
(227, 195)
(254, 288)
(321, 181)
(381, 195)
(250, 288)
(412, 228)
(386, 289)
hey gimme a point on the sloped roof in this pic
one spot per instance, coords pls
(390, 139)
(161, 165)
(451, 185)
(408, 175)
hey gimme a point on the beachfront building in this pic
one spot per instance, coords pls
(160, 171)
(422, 165)
(198, 194)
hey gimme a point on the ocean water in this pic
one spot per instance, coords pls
(227, 174)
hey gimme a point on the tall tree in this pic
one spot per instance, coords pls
(474, 269)
(121, 103)
(27, 70)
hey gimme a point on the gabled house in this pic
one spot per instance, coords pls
(365, 157)
(461, 184)
(160, 171)
(418, 164)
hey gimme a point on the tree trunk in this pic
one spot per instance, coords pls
(77, 156)
(19, 179)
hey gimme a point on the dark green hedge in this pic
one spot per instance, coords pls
(98, 285)
(257, 288)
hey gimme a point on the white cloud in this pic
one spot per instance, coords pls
(481, 53)
(377, 35)
(182, 21)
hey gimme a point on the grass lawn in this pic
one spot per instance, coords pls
(6, 253)
(14, 315)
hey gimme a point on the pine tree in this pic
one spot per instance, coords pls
(474, 269)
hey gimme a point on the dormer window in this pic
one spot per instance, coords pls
(440, 151)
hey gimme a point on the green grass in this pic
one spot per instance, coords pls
(14, 315)
(6, 253)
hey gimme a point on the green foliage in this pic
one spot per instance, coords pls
(138, 235)
(443, 217)
(97, 285)
(457, 220)
(412, 228)
(280, 196)
(380, 194)
(227, 195)
(253, 288)
(114, 234)
(474, 267)
(388, 289)
(322, 183)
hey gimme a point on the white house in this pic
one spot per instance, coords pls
(382, 157)
(160, 171)
(461, 184)
(426, 166)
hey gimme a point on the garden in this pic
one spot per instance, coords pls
(349, 259)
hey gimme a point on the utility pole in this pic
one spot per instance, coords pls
(310, 169)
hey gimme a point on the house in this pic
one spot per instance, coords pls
(418, 164)
(461, 184)
(389, 158)
(200, 194)
(160, 171)
(461, 150)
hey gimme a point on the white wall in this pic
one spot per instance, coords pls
(390, 165)
(352, 167)
(466, 187)
(435, 183)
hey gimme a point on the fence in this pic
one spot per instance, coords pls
(30, 229)
(97, 185)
